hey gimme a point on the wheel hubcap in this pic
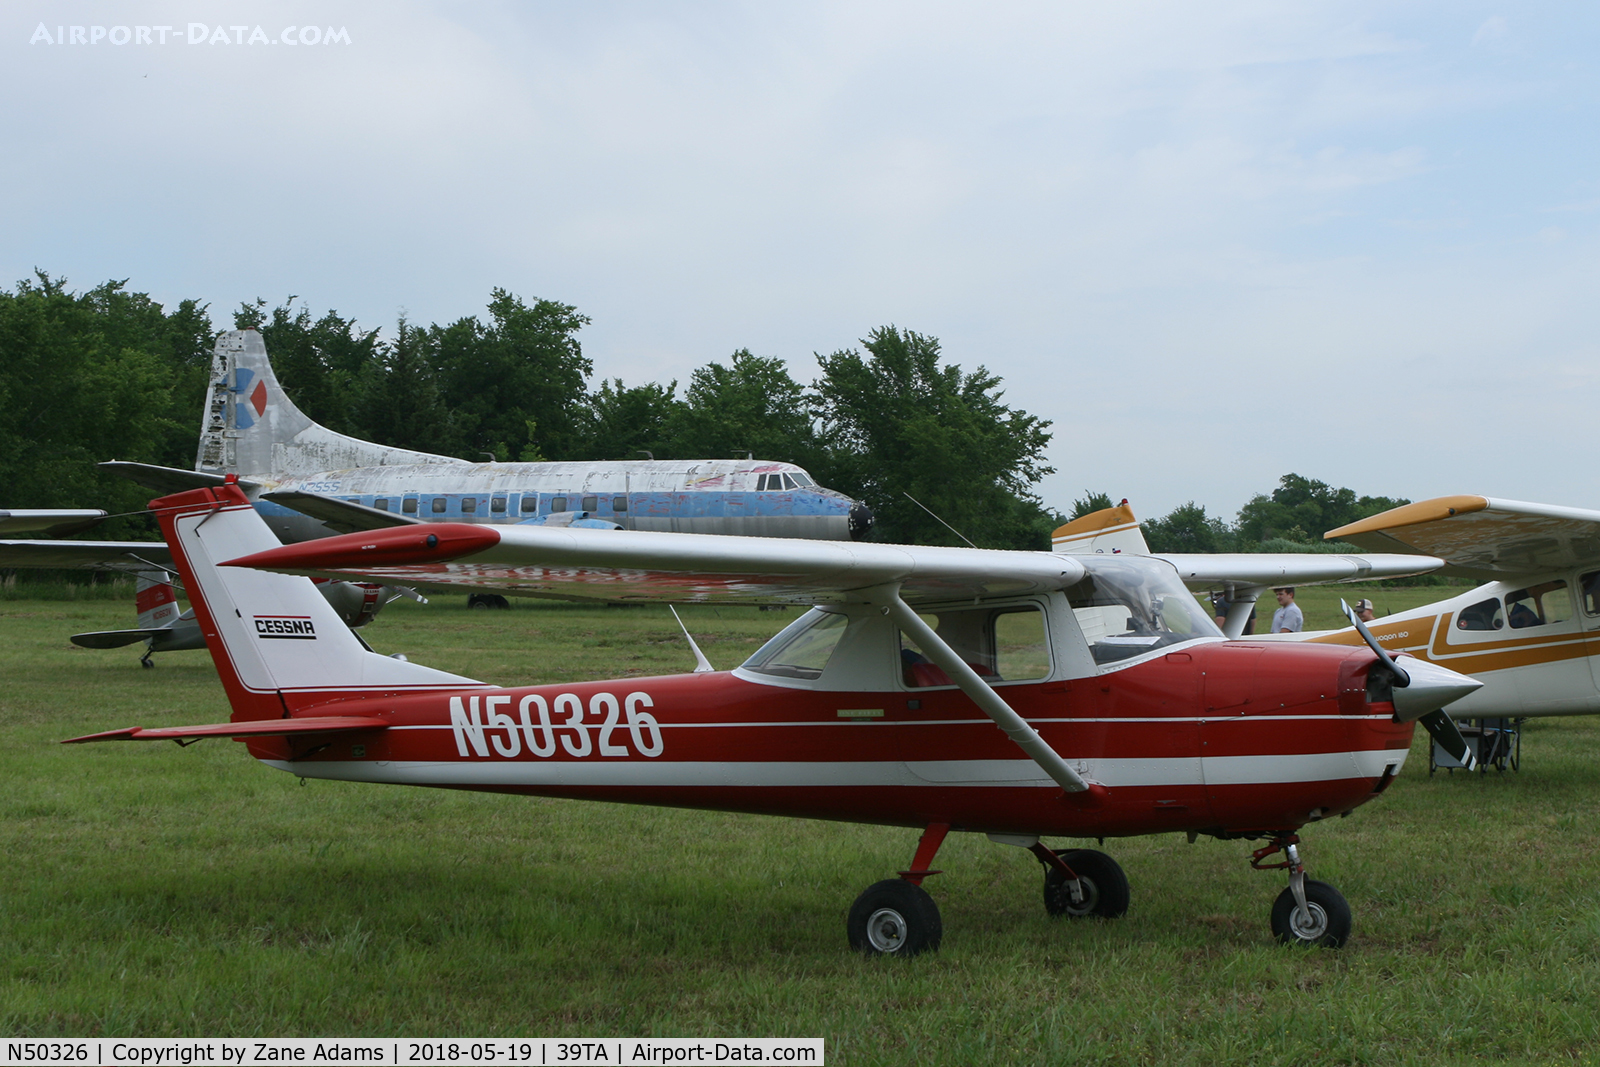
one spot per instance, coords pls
(886, 930)
(1310, 924)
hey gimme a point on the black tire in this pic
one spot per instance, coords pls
(1329, 922)
(1105, 886)
(485, 601)
(894, 918)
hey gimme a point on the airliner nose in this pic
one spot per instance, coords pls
(1431, 688)
(860, 522)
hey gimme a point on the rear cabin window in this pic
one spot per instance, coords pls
(409, 505)
(1484, 615)
(619, 503)
(530, 503)
(468, 505)
(382, 503)
(558, 503)
(439, 504)
(1539, 605)
(590, 503)
(999, 644)
(498, 505)
(1591, 592)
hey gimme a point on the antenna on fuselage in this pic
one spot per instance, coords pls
(929, 510)
(702, 665)
(647, 454)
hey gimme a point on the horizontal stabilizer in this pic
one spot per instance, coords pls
(341, 515)
(54, 523)
(168, 479)
(117, 638)
(129, 556)
(322, 724)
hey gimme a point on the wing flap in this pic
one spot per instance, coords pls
(323, 724)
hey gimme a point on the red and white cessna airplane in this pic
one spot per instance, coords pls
(1121, 708)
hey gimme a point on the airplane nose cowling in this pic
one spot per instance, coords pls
(1431, 688)
(860, 522)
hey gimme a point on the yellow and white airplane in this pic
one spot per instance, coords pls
(1531, 634)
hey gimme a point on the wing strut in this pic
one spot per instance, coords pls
(981, 693)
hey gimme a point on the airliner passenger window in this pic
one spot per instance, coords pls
(619, 503)
(382, 503)
(469, 505)
(409, 505)
(498, 505)
(1539, 605)
(530, 503)
(590, 503)
(558, 503)
(439, 504)
(1484, 615)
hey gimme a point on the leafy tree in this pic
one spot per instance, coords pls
(620, 422)
(1091, 503)
(398, 397)
(894, 422)
(1188, 529)
(750, 405)
(517, 383)
(1302, 510)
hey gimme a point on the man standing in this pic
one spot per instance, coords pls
(1288, 618)
(1364, 611)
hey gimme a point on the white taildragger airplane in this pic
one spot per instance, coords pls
(1531, 634)
(1120, 708)
(308, 482)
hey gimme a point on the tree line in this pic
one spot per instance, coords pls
(110, 374)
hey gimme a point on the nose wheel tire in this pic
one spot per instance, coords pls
(1324, 921)
(1105, 886)
(894, 918)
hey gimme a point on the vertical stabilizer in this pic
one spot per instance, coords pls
(1109, 531)
(251, 428)
(156, 600)
(277, 643)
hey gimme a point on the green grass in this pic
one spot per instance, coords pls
(152, 891)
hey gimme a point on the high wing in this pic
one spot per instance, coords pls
(338, 514)
(636, 565)
(56, 523)
(130, 556)
(1483, 537)
(1209, 571)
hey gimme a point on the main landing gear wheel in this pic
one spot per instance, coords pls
(1324, 921)
(894, 918)
(485, 601)
(1105, 886)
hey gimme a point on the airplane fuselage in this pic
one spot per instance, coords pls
(1534, 644)
(710, 496)
(1219, 738)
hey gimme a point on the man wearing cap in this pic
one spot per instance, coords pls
(1364, 611)
(1288, 619)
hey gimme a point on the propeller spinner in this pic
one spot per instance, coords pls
(1421, 690)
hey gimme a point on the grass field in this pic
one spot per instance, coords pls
(152, 891)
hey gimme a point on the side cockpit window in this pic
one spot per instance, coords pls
(1591, 592)
(1539, 605)
(1000, 644)
(1484, 615)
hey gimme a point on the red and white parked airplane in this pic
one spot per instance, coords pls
(1121, 708)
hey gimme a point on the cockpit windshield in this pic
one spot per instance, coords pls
(1126, 608)
(801, 649)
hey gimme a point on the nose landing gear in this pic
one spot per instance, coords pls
(1307, 913)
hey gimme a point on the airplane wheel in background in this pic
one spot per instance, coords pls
(894, 918)
(484, 601)
(1105, 886)
(1328, 924)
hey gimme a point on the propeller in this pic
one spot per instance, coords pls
(1422, 692)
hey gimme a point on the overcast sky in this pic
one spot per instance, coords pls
(1213, 243)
